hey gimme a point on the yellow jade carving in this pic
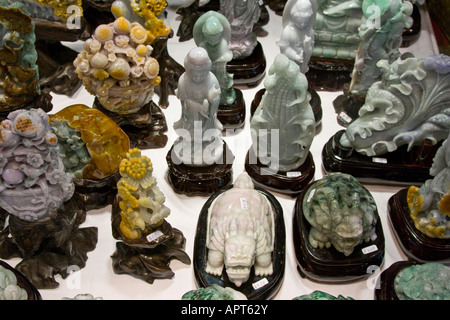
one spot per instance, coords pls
(141, 201)
(61, 7)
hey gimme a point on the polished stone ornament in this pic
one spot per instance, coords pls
(248, 64)
(380, 34)
(212, 31)
(148, 242)
(427, 281)
(337, 230)
(404, 119)
(117, 67)
(297, 39)
(9, 288)
(420, 214)
(199, 157)
(152, 16)
(240, 240)
(214, 292)
(320, 295)
(283, 128)
(37, 193)
(430, 204)
(91, 146)
(19, 70)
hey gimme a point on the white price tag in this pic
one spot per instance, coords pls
(244, 204)
(379, 160)
(260, 283)
(369, 249)
(293, 174)
(345, 117)
(154, 235)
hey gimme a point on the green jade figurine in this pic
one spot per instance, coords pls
(212, 31)
(283, 128)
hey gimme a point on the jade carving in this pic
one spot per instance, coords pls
(33, 182)
(142, 202)
(115, 66)
(19, 74)
(240, 233)
(408, 105)
(380, 35)
(214, 292)
(212, 31)
(429, 204)
(283, 125)
(297, 38)
(199, 142)
(242, 15)
(342, 213)
(428, 281)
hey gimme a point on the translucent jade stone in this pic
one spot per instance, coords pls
(105, 141)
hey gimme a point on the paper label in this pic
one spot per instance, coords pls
(293, 174)
(260, 283)
(379, 160)
(244, 204)
(369, 249)
(154, 235)
(345, 117)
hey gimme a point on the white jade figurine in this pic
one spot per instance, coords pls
(199, 142)
(240, 233)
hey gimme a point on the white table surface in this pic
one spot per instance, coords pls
(98, 277)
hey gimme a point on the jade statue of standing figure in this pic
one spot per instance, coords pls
(381, 32)
(242, 15)
(199, 148)
(297, 38)
(199, 93)
(212, 31)
(283, 125)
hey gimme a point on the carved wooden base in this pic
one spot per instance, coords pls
(201, 181)
(415, 244)
(329, 265)
(51, 247)
(397, 167)
(315, 102)
(97, 194)
(42, 101)
(329, 74)
(145, 128)
(232, 116)
(147, 258)
(289, 183)
(256, 288)
(249, 71)
(347, 106)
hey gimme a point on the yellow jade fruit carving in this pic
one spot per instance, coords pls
(106, 142)
(115, 66)
(61, 7)
(141, 204)
(148, 11)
